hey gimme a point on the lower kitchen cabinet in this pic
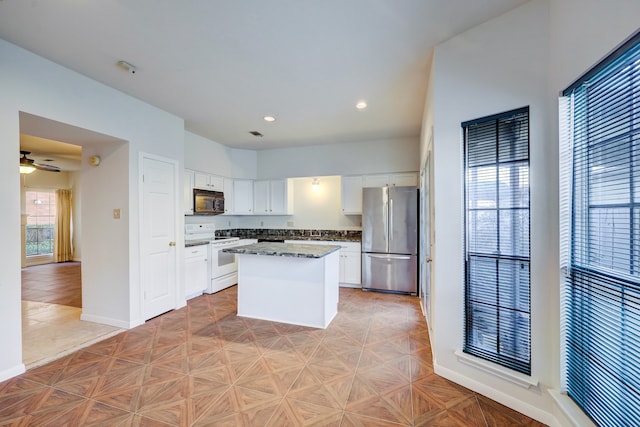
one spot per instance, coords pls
(350, 260)
(196, 274)
(350, 263)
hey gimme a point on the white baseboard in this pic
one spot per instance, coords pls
(350, 285)
(570, 410)
(12, 372)
(497, 395)
(107, 321)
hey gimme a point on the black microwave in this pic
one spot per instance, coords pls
(206, 202)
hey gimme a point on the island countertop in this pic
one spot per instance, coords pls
(299, 250)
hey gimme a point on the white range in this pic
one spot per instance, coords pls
(223, 267)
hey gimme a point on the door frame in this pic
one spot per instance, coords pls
(179, 300)
(425, 266)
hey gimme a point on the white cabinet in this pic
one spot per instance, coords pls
(409, 179)
(272, 197)
(350, 263)
(351, 196)
(375, 180)
(208, 182)
(196, 274)
(242, 197)
(261, 197)
(228, 196)
(395, 179)
(187, 192)
(350, 260)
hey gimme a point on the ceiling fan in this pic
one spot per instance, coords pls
(28, 165)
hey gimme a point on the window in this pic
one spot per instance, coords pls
(600, 223)
(41, 219)
(497, 294)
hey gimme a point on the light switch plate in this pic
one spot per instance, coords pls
(116, 214)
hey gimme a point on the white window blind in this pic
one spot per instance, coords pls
(600, 238)
(497, 293)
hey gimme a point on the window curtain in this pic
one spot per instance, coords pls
(63, 251)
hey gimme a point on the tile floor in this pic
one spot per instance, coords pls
(203, 365)
(52, 330)
(51, 325)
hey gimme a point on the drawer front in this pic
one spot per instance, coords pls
(196, 251)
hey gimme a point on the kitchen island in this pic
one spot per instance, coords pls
(288, 283)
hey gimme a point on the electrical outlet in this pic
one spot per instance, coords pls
(289, 223)
(116, 214)
(261, 223)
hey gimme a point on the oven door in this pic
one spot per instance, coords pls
(222, 263)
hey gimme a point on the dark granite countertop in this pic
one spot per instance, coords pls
(299, 250)
(321, 238)
(195, 243)
(293, 234)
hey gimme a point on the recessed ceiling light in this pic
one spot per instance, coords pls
(269, 119)
(361, 105)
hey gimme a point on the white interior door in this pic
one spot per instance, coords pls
(159, 258)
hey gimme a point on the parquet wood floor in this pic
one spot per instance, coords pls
(203, 365)
(58, 283)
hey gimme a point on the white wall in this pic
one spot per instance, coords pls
(37, 86)
(76, 215)
(353, 158)
(204, 155)
(525, 57)
(495, 67)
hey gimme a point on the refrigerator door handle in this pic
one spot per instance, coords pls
(390, 219)
(389, 256)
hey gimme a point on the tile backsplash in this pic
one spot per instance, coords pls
(291, 234)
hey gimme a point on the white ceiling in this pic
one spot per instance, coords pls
(224, 64)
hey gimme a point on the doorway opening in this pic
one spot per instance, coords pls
(53, 281)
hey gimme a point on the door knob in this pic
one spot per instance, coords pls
(172, 243)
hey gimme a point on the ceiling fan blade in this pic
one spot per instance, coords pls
(48, 168)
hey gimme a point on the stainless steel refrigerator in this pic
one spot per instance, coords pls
(390, 239)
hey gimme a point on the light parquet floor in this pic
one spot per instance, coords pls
(203, 365)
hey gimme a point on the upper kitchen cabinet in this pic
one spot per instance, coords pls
(351, 195)
(272, 197)
(208, 182)
(189, 176)
(228, 196)
(407, 179)
(242, 197)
